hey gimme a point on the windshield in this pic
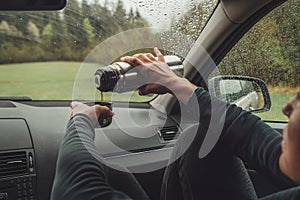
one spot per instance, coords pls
(53, 55)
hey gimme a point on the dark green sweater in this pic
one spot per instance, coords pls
(249, 138)
(81, 172)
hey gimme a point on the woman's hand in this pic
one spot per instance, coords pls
(155, 70)
(93, 112)
(160, 78)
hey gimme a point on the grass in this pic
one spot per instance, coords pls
(278, 99)
(55, 81)
(49, 80)
(74, 80)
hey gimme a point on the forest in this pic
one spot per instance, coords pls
(66, 35)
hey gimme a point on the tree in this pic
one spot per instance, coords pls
(287, 17)
(102, 21)
(4, 30)
(89, 30)
(47, 35)
(59, 35)
(33, 31)
(86, 8)
(21, 22)
(4, 27)
(120, 16)
(74, 23)
(131, 16)
(139, 21)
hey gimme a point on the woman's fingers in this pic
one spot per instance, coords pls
(141, 61)
(154, 69)
(144, 58)
(150, 57)
(159, 55)
(132, 60)
(74, 104)
(93, 112)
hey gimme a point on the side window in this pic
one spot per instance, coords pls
(270, 51)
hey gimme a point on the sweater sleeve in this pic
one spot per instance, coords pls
(246, 135)
(81, 173)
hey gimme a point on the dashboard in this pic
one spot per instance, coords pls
(140, 138)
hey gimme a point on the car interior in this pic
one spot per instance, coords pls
(143, 132)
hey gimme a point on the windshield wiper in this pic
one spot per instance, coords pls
(24, 98)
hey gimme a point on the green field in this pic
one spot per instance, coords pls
(54, 81)
(278, 99)
(73, 80)
(39, 81)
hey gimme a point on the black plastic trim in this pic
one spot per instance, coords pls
(66, 103)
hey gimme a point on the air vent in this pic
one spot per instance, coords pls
(168, 133)
(13, 163)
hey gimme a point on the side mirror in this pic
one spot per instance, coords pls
(249, 93)
(16, 5)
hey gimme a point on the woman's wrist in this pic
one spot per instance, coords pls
(182, 89)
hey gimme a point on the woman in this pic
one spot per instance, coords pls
(82, 173)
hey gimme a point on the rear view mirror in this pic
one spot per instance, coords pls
(32, 4)
(249, 93)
